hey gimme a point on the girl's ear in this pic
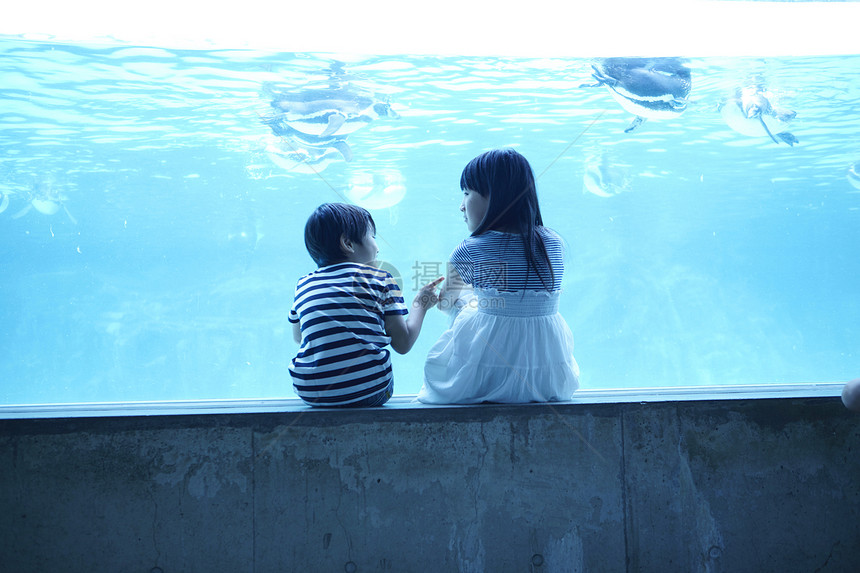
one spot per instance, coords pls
(346, 245)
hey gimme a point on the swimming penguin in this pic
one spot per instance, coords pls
(47, 200)
(4, 202)
(655, 88)
(749, 111)
(46, 206)
(853, 175)
(301, 159)
(378, 189)
(604, 177)
(327, 112)
(297, 139)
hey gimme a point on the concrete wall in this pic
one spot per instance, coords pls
(736, 485)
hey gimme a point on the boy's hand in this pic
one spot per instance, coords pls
(427, 296)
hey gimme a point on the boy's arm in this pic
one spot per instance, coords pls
(297, 332)
(404, 331)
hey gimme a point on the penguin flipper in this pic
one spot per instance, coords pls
(601, 79)
(789, 138)
(335, 122)
(784, 115)
(637, 121)
(764, 125)
(343, 147)
(71, 218)
(23, 211)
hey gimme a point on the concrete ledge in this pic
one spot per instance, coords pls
(273, 405)
(734, 484)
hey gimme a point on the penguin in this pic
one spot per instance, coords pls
(649, 88)
(749, 111)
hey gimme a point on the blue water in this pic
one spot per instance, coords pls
(168, 268)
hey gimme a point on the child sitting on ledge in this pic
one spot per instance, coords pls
(347, 311)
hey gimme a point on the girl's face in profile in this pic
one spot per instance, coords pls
(473, 207)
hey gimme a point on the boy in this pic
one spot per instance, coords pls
(347, 311)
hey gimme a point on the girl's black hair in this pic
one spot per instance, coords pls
(328, 223)
(507, 180)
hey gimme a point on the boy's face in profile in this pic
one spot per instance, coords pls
(365, 252)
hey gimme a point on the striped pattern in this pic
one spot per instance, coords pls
(497, 260)
(341, 310)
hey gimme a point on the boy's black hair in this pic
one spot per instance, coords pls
(328, 223)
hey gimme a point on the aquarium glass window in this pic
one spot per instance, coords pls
(154, 188)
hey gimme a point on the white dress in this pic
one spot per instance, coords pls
(508, 347)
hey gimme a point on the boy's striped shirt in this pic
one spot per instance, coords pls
(341, 310)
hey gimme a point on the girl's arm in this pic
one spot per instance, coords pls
(297, 332)
(454, 290)
(404, 331)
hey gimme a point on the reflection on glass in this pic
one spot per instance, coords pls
(152, 204)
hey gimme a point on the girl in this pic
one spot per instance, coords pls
(508, 343)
